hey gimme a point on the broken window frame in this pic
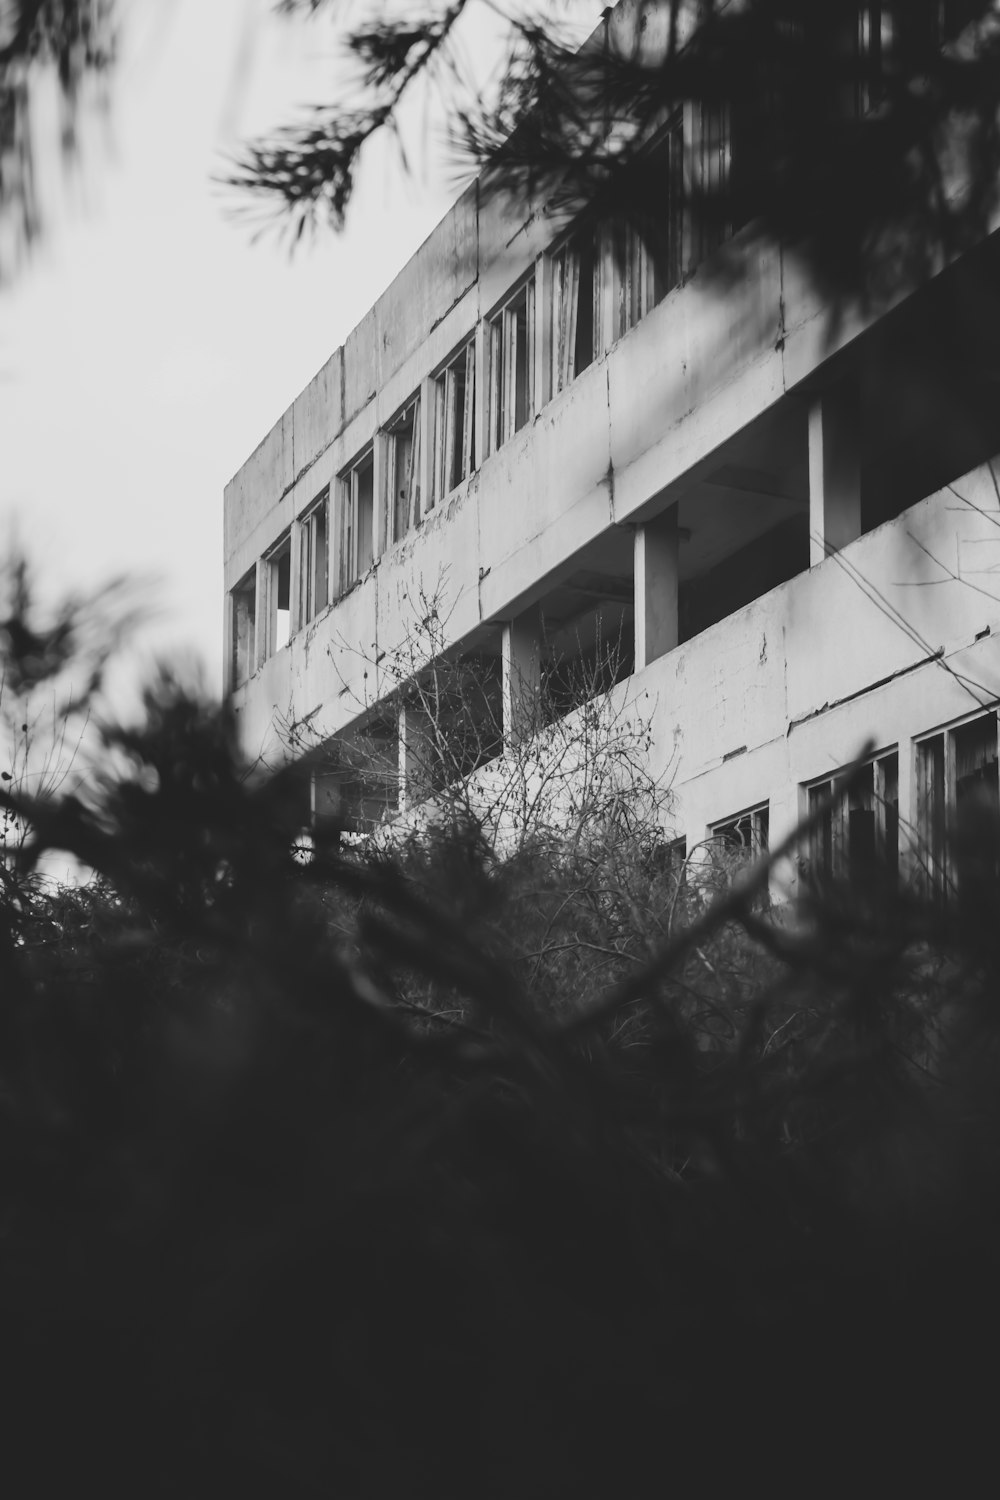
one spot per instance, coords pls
(401, 508)
(278, 588)
(355, 521)
(944, 779)
(570, 290)
(748, 830)
(453, 439)
(314, 558)
(243, 616)
(511, 401)
(709, 167)
(834, 852)
(649, 258)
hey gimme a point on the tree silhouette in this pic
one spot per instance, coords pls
(76, 37)
(864, 135)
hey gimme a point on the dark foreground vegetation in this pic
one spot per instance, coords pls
(382, 1176)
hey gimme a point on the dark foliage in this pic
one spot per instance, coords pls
(268, 1229)
(79, 38)
(864, 135)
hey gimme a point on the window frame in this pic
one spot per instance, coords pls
(564, 299)
(758, 843)
(314, 558)
(936, 796)
(401, 510)
(349, 553)
(453, 442)
(830, 855)
(245, 589)
(277, 638)
(502, 365)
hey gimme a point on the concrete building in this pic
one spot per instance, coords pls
(790, 524)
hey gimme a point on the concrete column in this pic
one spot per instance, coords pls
(416, 755)
(834, 471)
(656, 583)
(522, 673)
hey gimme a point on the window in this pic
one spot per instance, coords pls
(512, 366)
(710, 169)
(454, 440)
(314, 562)
(244, 620)
(956, 769)
(575, 301)
(402, 469)
(355, 522)
(649, 254)
(279, 589)
(747, 830)
(874, 40)
(857, 831)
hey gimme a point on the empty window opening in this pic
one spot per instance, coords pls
(355, 523)
(874, 44)
(244, 620)
(710, 173)
(314, 560)
(575, 309)
(512, 366)
(745, 832)
(589, 628)
(956, 770)
(779, 554)
(354, 787)
(454, 450)
(857, 829)
(279, 592)
(402, 469)
(648, 251)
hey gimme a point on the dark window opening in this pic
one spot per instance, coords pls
(763, 564)
(747, 831)
(244, 621)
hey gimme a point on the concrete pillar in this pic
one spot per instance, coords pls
(522, 674)
(656, 583)
(417, 753)
(834, 471)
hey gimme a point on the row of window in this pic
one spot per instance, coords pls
(602, 280)
(855, 823)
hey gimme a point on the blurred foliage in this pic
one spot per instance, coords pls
(76, 38)
(423, 1173)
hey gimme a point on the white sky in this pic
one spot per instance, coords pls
(149, 346)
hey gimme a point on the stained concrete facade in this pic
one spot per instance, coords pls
(789, 523)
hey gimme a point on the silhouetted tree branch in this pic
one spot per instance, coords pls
(875, 155)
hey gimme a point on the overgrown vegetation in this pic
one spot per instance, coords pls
(437, 1174)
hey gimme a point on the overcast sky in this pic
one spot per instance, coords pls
(149, 346)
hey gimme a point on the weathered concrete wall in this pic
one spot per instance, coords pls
(878, 642)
